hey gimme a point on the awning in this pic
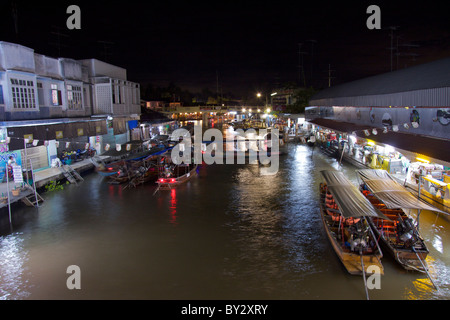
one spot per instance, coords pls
(390, 192)
(351, 202)
(53, 131)
(431, 147)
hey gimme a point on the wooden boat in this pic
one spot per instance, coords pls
(137, 168)
(399, 234)
(344, 210)
(176, 175)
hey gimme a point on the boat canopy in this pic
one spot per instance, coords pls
(390, 192)
(351, 202)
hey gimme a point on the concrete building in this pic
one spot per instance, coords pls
(49, 104)
(409, 107)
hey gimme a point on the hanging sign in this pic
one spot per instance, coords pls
(28, 138)
(17, 173)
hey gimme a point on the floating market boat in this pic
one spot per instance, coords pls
(399, 234)
(344, 210)
(136, 168)
(174, 175)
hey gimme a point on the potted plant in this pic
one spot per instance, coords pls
(15, 192)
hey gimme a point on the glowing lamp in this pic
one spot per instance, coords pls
(423, 160)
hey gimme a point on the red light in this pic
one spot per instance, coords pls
(110, 169)
(172, 180)
(161, 180)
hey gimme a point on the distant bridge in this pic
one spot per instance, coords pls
(215, 109)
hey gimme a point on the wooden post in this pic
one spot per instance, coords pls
(7, 187)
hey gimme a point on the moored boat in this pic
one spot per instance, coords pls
(399, 234)
(137, 168)
(176, 175)
(344, 210)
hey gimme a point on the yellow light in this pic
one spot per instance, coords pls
(370, 143)
(243, 110)
(423, 160)
(258, 95)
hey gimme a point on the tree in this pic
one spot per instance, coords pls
(301, 100)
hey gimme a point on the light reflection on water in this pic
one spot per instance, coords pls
(13, 273)
(229, 233)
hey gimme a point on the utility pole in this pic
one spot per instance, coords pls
(217, 86)
(301, 73)
(329, 75)
(312, 58)
(406, 52)
(391, 48)
(15, 16)
(106, 48)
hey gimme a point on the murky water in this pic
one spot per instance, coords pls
(229, 233)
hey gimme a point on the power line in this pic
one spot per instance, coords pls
(59, 36)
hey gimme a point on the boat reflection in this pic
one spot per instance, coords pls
(173, 207)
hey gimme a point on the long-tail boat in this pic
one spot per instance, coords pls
(344, 210)
(399, 234)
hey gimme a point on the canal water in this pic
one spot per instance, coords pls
(229, 233)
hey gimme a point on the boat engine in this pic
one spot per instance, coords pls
(406, 232)
(358, 237)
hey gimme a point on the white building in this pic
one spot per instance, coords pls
(62, 99)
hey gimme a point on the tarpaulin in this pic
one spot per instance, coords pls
(390, 192)
(351, 202)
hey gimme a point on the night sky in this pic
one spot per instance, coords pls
(250, 45)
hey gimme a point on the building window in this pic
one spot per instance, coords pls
(74, 97)
(23, 94)
(56, 95)
(1, 95)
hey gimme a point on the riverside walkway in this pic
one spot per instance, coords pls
(43, 177)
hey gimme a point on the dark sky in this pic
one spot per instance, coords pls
(250, 45)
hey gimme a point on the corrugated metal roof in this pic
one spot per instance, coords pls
(427, 146)
(426, 76)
